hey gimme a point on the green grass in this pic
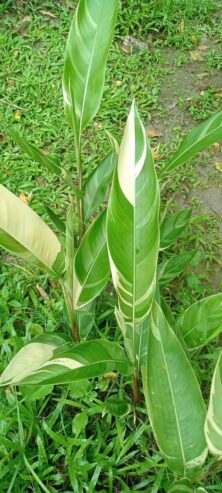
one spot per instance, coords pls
(66, 439)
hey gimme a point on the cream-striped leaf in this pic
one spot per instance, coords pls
(213, 424)
(174, 401)
(91, 264)
(133, 224)
(48, 361)
(85, 60)
(202, 321)
(197, 140)
(24, 233)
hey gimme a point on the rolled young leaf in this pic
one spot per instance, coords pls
(91, 264)
(24, 233)
(97, 183)
(197, 140)
(85, 60)
(133, 224)
(213, 424)
(49, 363)
(172, 227)
(202, 321)
(175, 405)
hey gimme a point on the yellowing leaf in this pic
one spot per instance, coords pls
(17, 116)
(194, 39)
(218, 166)
(25, 198)
(152, 132)
(196, 56)
(181, 29)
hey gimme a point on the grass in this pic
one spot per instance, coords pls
(68, 439)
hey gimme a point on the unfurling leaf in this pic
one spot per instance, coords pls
(133, 224)
(85, 60)
(24, 233)
(174, 401)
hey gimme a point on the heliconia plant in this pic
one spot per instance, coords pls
(124, 240)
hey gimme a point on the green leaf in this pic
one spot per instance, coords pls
(91, 263)
(96, 186)
(175, 405)
(24, 233)
(197, 140)
(79, 423)
(172, 227)
(182, 486)
(116, 406)
(59, 223)
(44, 159)
(85, 60)
(202, 321)
(48, 361)
(174, 266)
(133, 224)
(213, 424)
(85, 319)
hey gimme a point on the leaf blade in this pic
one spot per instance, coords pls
(213, 428)
(172, 227)
(174, 401)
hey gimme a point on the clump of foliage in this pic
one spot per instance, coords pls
(126, 238)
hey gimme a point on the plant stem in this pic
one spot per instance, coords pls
(136, 387)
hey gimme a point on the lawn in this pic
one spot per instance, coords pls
(166, 54)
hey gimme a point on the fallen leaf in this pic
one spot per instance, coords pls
(216, 145)
(218, 95)
(194, 39)
(181, 28)
(25, 198)
(48, 14)
(17, 116)
(11, 83)
(152, 132)
(22, 28)
(42, 292)
(54, 283)
(196, 56)
(203, 47)
(218, 166)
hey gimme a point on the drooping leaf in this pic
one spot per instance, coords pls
(49, 363)
(59, 223)
(97, 184)
(213, 424)
(85, 60)
(197, 140)
(202, 321)
(175, 405)
(133, 224)
(45, 160)
(174, 266)
(91, 264)
(172, 227)
(24, 233)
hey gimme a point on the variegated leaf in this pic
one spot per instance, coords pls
(91, 264)
(47, 361)
(213, 424)
(85, 60)
(133, 224)
(202, 321)
(24, 233)
(175, 405)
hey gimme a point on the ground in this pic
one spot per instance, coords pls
(176, 78)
